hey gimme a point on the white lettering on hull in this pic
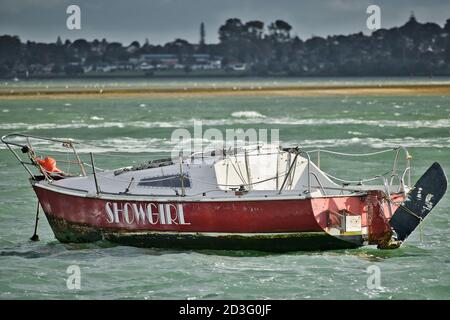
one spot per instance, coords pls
(132, 213)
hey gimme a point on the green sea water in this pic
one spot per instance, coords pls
(124, 131)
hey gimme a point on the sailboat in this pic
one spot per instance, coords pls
(260, 197)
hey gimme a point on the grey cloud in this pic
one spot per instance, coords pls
(165, 20)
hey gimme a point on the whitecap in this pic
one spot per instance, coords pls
(247, 114)
(376, 143)
(183, 123)
(162, 145)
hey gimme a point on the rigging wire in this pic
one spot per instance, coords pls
(354, 154)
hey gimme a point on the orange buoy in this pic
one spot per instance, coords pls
(49, 164)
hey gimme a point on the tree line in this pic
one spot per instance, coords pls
(411, 49)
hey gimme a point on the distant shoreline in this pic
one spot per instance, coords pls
(295, 91)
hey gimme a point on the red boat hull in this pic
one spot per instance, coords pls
(269, 224)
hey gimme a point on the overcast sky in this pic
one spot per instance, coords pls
(164, 20)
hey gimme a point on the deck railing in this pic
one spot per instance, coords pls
(26, 147)
(393, 172)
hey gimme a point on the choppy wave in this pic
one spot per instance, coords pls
(97, 118)
(439, 123)
(377, 143)
(158, 145)
(247, 114)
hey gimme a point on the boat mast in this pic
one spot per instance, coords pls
(183, 192)
(247, 168)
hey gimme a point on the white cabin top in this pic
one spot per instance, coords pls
(249, 170)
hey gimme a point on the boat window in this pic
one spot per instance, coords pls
(170, 181)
